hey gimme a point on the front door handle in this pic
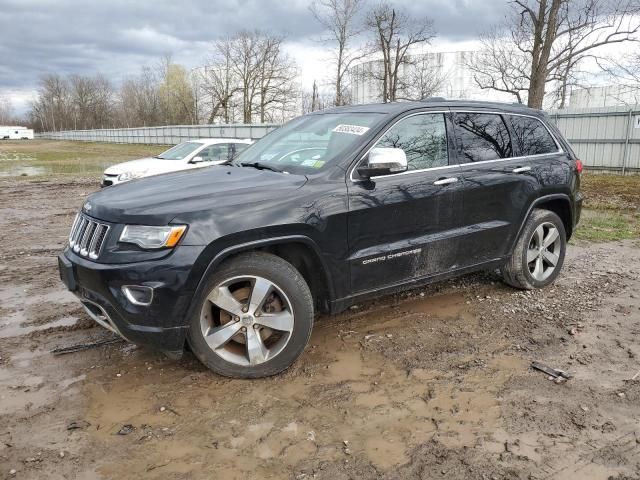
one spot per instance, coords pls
(446, 181)
(520, 169)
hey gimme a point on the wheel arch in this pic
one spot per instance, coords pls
(299, 250)
(558, 203)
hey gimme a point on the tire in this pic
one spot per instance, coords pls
(530, 266)
(266, 321)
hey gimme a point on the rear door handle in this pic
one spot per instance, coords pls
(520, 169)
(446, 181)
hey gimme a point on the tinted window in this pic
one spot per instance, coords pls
(531, 136)
(423, 139)
(483, 137)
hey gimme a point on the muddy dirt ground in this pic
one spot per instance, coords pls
(434, 383)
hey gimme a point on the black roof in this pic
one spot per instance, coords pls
(400, 107)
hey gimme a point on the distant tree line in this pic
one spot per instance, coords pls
(157, 96)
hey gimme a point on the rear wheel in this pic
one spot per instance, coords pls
(539, 253)
(254, 317)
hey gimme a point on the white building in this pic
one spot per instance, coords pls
(605, 96)
(457, 79)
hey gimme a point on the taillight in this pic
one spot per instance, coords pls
(578, 166)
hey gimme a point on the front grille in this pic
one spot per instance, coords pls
(87, 236)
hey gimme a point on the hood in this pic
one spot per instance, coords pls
(157, 200)
(156, 165)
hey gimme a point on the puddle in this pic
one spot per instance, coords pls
(13, 164)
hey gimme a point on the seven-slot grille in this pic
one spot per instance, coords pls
(87, 236)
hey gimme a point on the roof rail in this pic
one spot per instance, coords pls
(434, 99)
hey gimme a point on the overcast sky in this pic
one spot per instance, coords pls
(117, 37)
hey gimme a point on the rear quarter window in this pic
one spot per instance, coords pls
(531, 136)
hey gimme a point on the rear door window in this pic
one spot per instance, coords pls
(423, 138)
(531, 136)
(483, 136)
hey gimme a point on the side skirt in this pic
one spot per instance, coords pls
(341, 304)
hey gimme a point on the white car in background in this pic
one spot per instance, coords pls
(192, 154)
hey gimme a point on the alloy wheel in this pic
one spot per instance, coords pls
(247, 320)
(543, 252)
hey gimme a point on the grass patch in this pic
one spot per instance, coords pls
(611, 208)
(607, 226)
(611, 192)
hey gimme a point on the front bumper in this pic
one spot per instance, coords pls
(163, 323)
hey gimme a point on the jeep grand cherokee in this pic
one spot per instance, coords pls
(331, 209)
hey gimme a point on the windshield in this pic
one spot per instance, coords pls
(180, 151)
(310, 143)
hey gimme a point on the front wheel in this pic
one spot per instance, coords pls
(539, 253)
(253, 318)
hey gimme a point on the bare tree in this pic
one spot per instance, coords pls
(624, 72)
(496, 67)
(7, 116)
(52, 109)
(421, 79)
(139, 103)
(340, 19)
(175, 93)
(550, 38)
(250, 70)
(395, 32)
(219, 82)
(277, 73)
(91, 101)
(315, 100)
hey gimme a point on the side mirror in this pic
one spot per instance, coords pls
(197, 160)
(383, 161)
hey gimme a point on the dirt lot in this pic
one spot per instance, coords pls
(434, 383)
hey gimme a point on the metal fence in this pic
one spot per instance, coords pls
(605, 139)
(169, 135)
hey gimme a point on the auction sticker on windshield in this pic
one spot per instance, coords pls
(352, 129)
(313, 163)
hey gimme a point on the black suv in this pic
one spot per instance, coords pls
(331, 209)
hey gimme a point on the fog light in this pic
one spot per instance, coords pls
(138, 295)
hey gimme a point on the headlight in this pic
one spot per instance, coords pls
(152, 237)
(123, 177)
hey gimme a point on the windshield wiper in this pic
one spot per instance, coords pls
(260, 166)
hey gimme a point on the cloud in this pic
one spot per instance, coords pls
(117, 37)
